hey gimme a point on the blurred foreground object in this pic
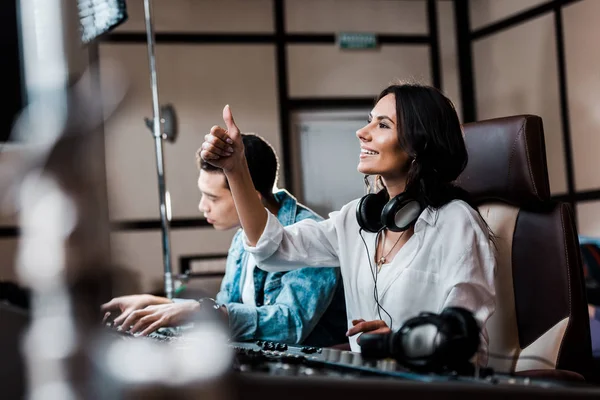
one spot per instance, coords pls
(64, 253)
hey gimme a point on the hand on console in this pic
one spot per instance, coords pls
(362, 326)
(151, 318)
(125, 305)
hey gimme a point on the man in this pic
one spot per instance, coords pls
(301, 306)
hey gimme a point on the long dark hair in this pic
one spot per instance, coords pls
(429, 131)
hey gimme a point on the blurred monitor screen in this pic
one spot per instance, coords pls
(100, 16)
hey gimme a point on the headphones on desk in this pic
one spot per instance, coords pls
(456, 340)
(428, 342)
(376, 211)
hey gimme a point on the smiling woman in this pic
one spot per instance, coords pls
(416, 245)
(380, 150)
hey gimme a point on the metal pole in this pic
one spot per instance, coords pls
(158, 144)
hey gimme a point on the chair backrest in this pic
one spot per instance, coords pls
(541, 319)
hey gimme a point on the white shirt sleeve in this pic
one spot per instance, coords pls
(304, 243)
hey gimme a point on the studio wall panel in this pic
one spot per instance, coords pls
(484, 12)
(583, 79)
(448, 54)
(379, 16)
(222, 16)
(588, 218)
(516, 73)
(199, 81)
(325, 70)
(138, 255)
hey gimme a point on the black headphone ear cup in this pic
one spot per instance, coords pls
(465, 343)
(400, 213)
(368, 211)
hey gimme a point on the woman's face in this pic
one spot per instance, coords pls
(380, 151)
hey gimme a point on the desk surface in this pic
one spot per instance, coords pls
(256, 386)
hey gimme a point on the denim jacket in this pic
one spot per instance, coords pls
(302, 306)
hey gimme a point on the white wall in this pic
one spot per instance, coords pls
(583, 80)
(449, 53)
(194, 16)
(517, 76)
(484, 12)
(516, 72)
(198, 80)
(322, 70)
(381, 16)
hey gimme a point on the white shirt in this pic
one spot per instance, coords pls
(247, 281)
(449, 261)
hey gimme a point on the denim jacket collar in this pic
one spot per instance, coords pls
(287, 207)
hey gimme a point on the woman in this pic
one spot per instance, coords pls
(442, 256)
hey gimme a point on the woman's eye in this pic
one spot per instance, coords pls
(383, 126)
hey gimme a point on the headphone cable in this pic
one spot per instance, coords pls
(374, 275)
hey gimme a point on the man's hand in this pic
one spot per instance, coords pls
(224, 148)
(125, 305)
(362, 326)
(151, 318)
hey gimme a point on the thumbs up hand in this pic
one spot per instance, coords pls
(224, 148)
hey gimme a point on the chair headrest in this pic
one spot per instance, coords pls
(507, 161)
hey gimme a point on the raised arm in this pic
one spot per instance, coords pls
(224, 148)
(296, 246)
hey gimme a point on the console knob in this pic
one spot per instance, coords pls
(346, 357)
(334, 355)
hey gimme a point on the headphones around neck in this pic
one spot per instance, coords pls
(375, 211)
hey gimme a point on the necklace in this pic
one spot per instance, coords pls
(383, 258)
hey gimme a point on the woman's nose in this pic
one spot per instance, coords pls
(363, 133)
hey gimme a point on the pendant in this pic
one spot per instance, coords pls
(380, 263)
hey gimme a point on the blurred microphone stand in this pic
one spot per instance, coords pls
(163, 195)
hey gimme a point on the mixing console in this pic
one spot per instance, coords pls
(289, 360)
(280, 359)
